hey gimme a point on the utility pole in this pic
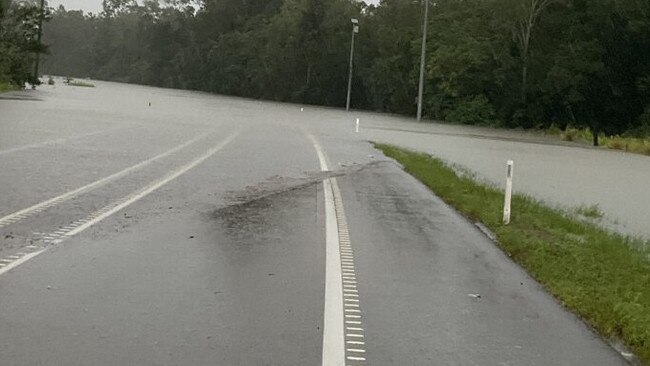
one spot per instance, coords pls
(41, 15)
(355, 29)
(422, 58)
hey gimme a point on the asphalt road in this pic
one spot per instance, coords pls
(201, 229)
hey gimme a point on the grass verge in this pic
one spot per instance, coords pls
(638, 145)
(601, 276)
(5, 87)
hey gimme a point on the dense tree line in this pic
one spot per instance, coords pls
(19, 25)
(529, 63)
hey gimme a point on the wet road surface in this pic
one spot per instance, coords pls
(203, 230)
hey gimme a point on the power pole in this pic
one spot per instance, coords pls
(422, 58)
(355, 29)
(41, 15)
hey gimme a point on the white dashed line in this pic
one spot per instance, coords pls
(356, 358)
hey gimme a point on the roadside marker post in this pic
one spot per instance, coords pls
(508, 200)
(357, 125)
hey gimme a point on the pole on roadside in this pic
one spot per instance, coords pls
(355, 29)
(508, 198)
(38, 37)
(422, 58)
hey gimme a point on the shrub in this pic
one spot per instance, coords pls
(472, 110)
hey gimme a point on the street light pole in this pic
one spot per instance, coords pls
(422, 58)
(355, 29)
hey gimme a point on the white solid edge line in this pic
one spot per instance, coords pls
(20, 261)
(133, 198)
(333, 340)
(14, 217)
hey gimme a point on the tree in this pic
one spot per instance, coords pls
(515, 63)
(527, 15)
(19, 40)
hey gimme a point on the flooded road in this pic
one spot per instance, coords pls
(154, 227)
(566, 175)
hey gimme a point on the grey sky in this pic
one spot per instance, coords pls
(95, 6)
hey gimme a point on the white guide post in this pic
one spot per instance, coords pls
(508, 200)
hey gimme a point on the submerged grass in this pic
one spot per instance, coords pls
(633, 144)
(601, 276)
(592, 212)
(81, 83)
(4, 87)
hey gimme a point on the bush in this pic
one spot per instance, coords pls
(569, 134)
(4, 86)
(472, 110)
(616, 143)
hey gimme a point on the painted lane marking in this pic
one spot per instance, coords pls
(356, 358)
(56, 141)
(339, 258)
(24, 213)
(111, 209)
(20, 261)
(333, 342)
(120, 204)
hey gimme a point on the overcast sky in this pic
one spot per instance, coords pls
(95, 6)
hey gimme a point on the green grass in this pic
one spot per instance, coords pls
(592, 212)
(601, 276)
(629, 144)
(81, 83)
(633, 144)
(4, 87)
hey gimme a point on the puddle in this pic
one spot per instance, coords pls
(278, 184)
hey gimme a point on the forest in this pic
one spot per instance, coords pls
(506, 63)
